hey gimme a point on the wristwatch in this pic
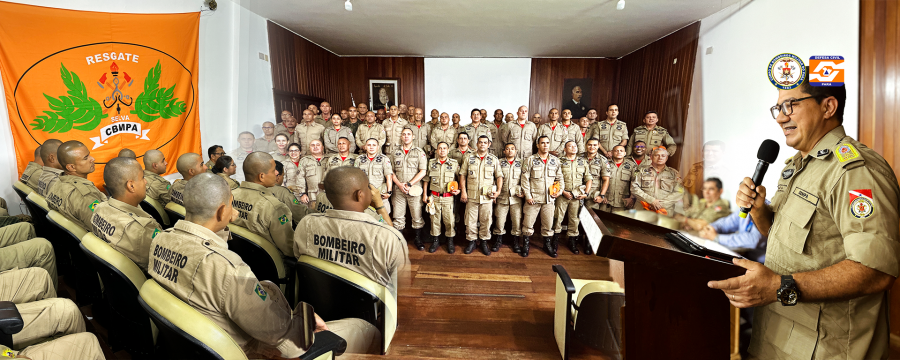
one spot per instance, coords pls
(603, 196)
(788, 293)
(408, 185)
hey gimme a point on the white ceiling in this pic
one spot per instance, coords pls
(484, 28)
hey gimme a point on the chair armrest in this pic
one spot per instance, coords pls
(10, 320)
(565, 278)
(325, 341)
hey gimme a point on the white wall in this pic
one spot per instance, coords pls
(461, 84)
(235, 85)
(737, 93)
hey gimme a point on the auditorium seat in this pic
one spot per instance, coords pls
(593, 319)
(175, 212)
(157, 211)
(87, 283)
(264, 259)
(188, 334)
(11, 322)
(22, 190)
(38, 208)
(129, 326)
(338, 293)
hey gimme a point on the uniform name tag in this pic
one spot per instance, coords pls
(806, 195)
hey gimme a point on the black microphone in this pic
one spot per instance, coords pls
(768, 152)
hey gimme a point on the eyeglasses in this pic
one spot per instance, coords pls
(219, 153)
(294, 150)
(786, 107)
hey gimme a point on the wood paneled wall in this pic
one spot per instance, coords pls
(879, 104)
(549, 74)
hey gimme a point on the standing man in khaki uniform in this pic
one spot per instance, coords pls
(120, 221)
(410, 163)
(554, 132)
(652, 135)
(522, 133)
(370, 130)
(509, 202)
(832, 232)
(539, 172)
(32, 173)
(267, 142)
(496, 145)
(599, 168)
(258, 210)
(343, 157)
(188, 165)
(577, 173)
(373, 249)
(335, 131)
(393, 127)
(621, 171)
(610, 132)
(288, 127)
(308, 131)
(217, 283)
(441, 171)
(711, 208)
(245, 140)
(421, 131)
(52, 169)
(310, 173)
(477, 128)
(657, 184)
(378, 169)
(443, 132)
(482, 179)
(324, 118)
(639, 156)
(157, 187)
(74, 195)
(460, 153)
(573, 130)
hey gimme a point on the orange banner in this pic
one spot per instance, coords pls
(109, 80)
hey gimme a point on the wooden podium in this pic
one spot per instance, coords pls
(669, 311)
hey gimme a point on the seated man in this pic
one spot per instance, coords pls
(711, 208)
(120, 221)
(75, 196)
(32, 172)
(188, 165)
(258, 210)
(215, 282)
(52, 169)
(157, 187)
(45, 317)
(283, 194)
(737, 234)
(19, 248)
(348, 237)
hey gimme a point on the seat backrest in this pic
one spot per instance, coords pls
(38, 208)
(598, 320)
(22, 190)
(337, 292)
(175, 211)
(157, 211)
(261, 255)
(186, 332)
(76, 231)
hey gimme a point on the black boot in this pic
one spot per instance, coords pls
(485, 248)
(523, 252)
(418, 240)
(548, 247)
(515, 244)
(587, 245)
(450, 247)
(469, 248)
(573, 246)
(498, 240)
(435, 244)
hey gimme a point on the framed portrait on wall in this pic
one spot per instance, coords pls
(576, 97)
(383, 93)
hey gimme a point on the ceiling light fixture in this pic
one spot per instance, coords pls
(619, 5)
(349, 7)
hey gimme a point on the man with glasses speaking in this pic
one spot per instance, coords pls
(833, 235)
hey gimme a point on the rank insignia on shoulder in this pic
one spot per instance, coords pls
(823, 152)
(260, 292)
(93, 205)
(155, 232)
(283, 219)
(846, 152)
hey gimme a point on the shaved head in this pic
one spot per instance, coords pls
(126, 152)
(152, 157)
(342, 183)
(48, 152)
(257, 163)
(67, 152)
(119, 171)
(37, 155)
(203, 196)
(186, 162)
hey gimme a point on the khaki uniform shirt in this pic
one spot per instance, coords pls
(377, 169)
(480, 173)
(239, 155)
(209, 165)
(620, 182)
(293, 136)
(355, 241)
(474, 133)
(599, 169)
(665, 186)
(321, 120)
(523, 136)
(366, 132)
(458, 155)
(331, 136)
(32, 175)
(264, 215)
(496, 145)
(580, 139)
(334, 160)
(576, 172)
(420, 135)
(280, 157)
(126, 228)
(693, 181)
(195, 265)
(512, 179)
(609, 135)
(176, 191)
(659, 136)
(310, 174)
(76, 198)
(292, 176)
(49, 177)
(408, 163)
(537, 177)
(322, 205)
(157, 187)
(232, 183)
(558, 136)
(393, 129)
(837, 203)
(264, 145)
(719, 209)
(438, 135)
(308, 133)
(439, 175)
(298, 210)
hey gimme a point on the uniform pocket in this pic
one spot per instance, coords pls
(527, 137)
(625, 176)
(604, 137)
(667, 185)
(558, 137)
(799, 213)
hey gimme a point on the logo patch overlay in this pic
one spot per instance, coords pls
(826, 70)
(94, 205)
(260, 292)
(861, 203)
(786, 71)
(155, 232)
(846, 152)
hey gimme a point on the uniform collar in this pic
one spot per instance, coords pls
(350, 215)
(127, 207)
(253, 186)
(219, 238)
(150, 174)
(74, 179)
(51, 169)
(826, 144)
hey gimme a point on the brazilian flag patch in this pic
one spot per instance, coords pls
(155, 232)
(283, 219)
(296, 202)
(93, 205)
(260, 292)
(168, 186)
